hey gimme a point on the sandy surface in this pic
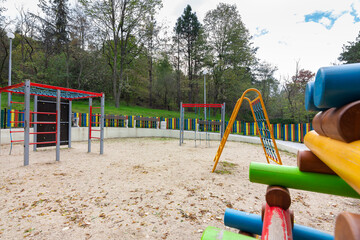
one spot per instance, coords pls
(140, 189)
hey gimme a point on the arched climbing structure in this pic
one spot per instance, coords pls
(262, 124)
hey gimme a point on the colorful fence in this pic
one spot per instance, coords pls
(286, 132)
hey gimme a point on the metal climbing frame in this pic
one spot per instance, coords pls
(28, 88)
(200, 105)
(101, 124)
(262, 125)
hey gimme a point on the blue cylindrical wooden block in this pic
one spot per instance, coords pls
(336, 86)
(252, 223)
(309, 98)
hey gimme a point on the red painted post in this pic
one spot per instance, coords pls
(277, 224)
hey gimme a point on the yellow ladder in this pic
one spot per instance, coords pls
(262, 125)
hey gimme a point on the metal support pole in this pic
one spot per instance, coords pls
(195, 127)
(35, 120)
(180, 123)
(89, 136)
(58, 123)
(9, 83)
(205, 95)
(102, 105)
(26, 122)
(70, 123)
(0, 122)
(222, 120)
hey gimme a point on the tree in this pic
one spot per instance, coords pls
(165, 80)
(294, 90)
(119, 21)
(265, 80)
(187, 28)
(151, 45)
(351, 52)
(231, 53)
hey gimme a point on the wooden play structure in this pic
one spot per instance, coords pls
(332, 166)
(51, 115)
(262, 122)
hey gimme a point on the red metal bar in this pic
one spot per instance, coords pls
(95, 130)
(42, 122)
(90, 121)
(17, 102)
(56, 127)
(51, 113)
(209, 105)
(7, 88)
(35, 143)
(43, 133)
(66, 89)
(16, 121)
(17, 141)
(16, 131)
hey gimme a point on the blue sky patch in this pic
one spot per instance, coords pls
(327, 19)
(354, 14)
(261, 32)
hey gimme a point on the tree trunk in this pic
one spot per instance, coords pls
(150, 80)
(178, 74)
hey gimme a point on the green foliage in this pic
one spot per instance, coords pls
(351, 52)
(115, 47)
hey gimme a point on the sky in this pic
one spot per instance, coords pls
(310, 32)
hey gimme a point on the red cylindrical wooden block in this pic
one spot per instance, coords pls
(277, 224)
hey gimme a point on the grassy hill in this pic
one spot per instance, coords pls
(82, 106)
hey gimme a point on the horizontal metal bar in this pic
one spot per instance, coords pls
(17, 102)
(16, 121)
(36, 143)
(44, 101)
(95, 130)
(96, 137)
(50, 113)
(63, 122)
(43, 133)
(42, 122)
(64, 141)
(17, 141)
(16, 131)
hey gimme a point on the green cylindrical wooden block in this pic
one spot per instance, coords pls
(213, 233)
(292, 177)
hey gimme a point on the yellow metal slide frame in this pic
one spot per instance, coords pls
(274, 157)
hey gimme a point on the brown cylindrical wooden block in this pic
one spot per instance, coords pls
(316, 123)
(343, 123)
(247, 234)
(347, 226)
(277, 196)
(307, 161)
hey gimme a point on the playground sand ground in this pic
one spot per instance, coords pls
(140, 189)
